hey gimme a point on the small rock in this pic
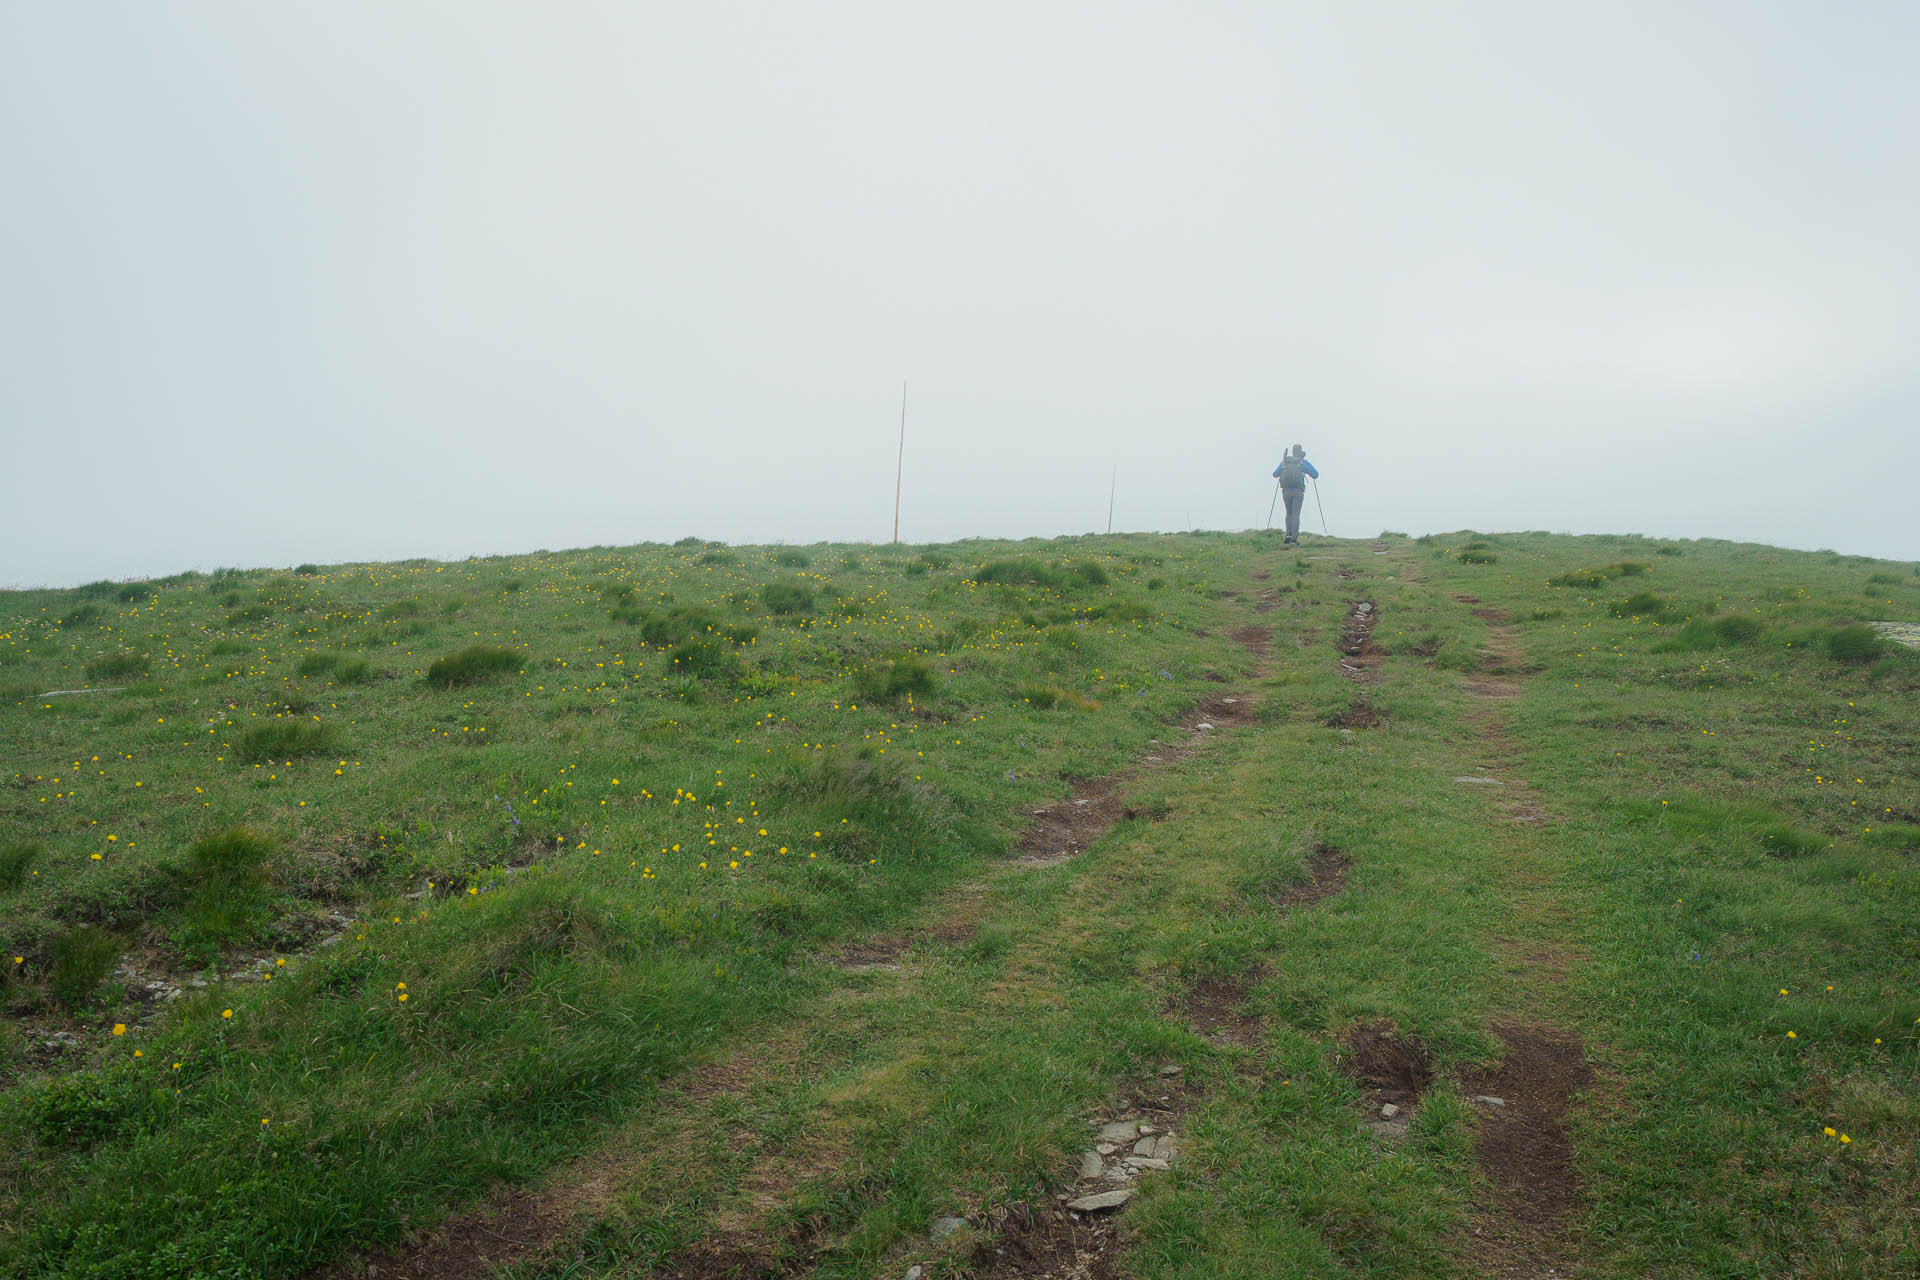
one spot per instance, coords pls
(1203, 727)
(1120, 1131)
(1147, 1128)
(1102, 1200)
(1227, 702)
(1389, 1111)
(915, 1271)
(1107, 1148)
(944, 1227)
(1164, 1148)
(1488, 1100)
(1148, 1162)
(1091, 1165)
(1144, 1147)
(1170, 1070)
(1484, 782)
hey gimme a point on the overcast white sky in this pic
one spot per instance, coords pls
(286, 282)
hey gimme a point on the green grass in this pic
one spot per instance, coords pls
(564, 863)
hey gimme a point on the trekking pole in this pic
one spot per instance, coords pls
(1270, 505)
(1317, 503)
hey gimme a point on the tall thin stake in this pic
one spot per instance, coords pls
(1110, 492)
(900, 467)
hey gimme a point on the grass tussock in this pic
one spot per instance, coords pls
(16, 861)
(227, 890)
(786, 597)
(83, 956)
(1030, 572)
(891, 681)
(1856, 643)
(475, 664)
(288, 739)
(122, 665)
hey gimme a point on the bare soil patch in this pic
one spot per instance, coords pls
(1257, 641)
(1389, 1066)
(1216, 1008)
(735, 1260)
(1327, 870)
(514, 1227)
(1060, 831)
(1047, 1242)
(1523, 1152)
(881, 952)
(1361, 715)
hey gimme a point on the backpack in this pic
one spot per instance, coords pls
(1291, 476)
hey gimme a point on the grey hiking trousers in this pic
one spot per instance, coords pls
(1293, 498)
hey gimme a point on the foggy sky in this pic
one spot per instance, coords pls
(319, 282)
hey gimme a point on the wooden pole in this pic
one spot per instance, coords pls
(1115, 484)
(900, 467)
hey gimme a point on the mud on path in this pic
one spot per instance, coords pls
(1527, 1188)
(1523, 1151)
(1062, 830)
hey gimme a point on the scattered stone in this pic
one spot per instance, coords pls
(1484, 782)
(1170, 1070)
(1164, 1148)
(1389, 1111)
(1363, 608)
(944, 1227)
(1101, 1200)
(1488, 1100)
(1147, 1128)
(1091, 1165)
(1148, 1162)
(1120, 1131)
(1144, 1147)
(1107, 1148)
(915, 1271)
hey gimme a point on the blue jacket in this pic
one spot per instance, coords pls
(1304, 466)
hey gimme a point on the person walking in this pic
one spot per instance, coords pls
(1292, 474)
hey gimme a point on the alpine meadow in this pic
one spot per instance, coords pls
(1165, 906)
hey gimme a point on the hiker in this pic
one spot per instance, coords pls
(1292, 474)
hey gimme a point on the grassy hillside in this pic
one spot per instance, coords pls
(698, 910)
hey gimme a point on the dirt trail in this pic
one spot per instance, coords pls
(1528, 1188)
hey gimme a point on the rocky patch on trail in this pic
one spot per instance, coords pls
(1359, 655)
(1073, 1237)
(1904, 633)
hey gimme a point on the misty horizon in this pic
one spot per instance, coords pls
(434, 281)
